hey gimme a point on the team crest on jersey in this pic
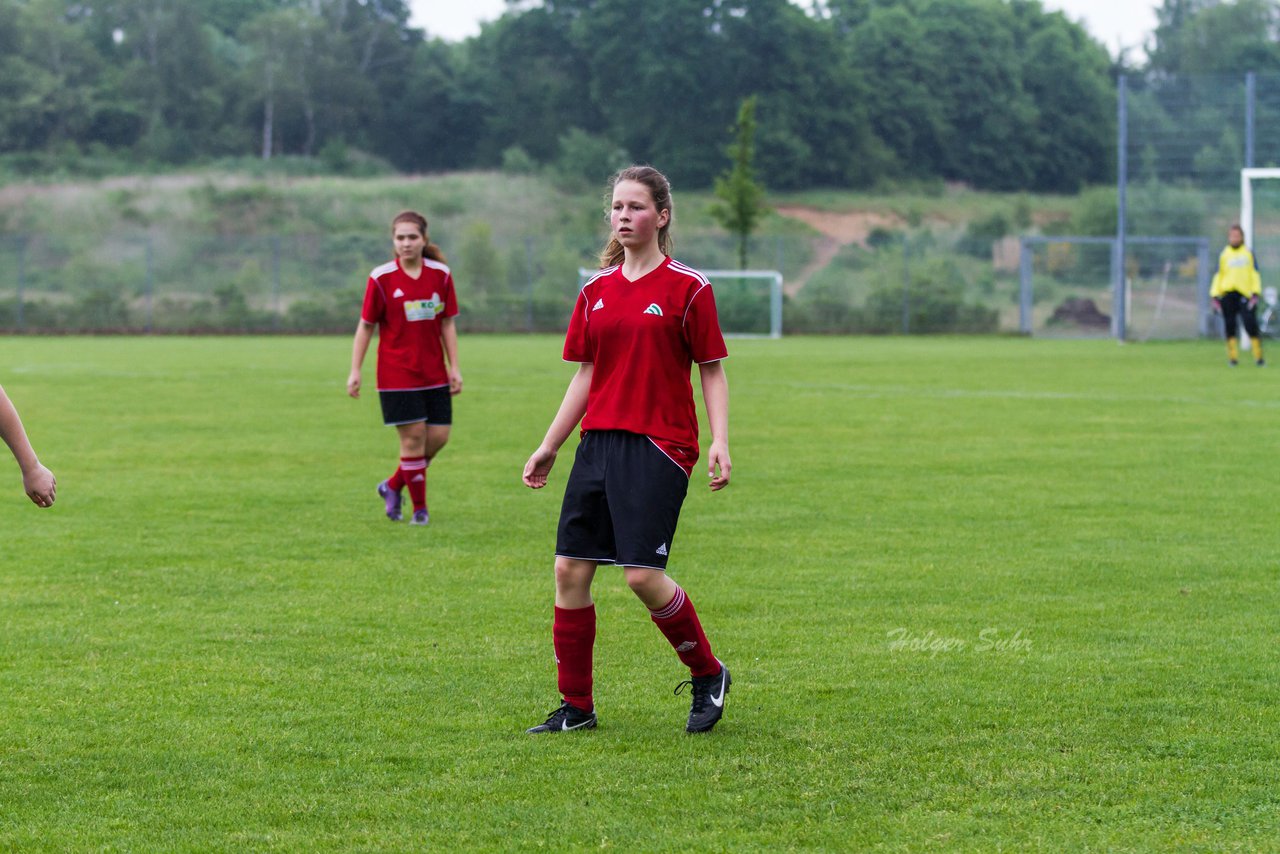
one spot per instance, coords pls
(423, 309)
(599, 305)
(654, 308)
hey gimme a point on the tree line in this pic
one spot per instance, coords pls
(1000, 94)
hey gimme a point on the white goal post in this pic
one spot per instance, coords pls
(1247, 177)
(719, 280)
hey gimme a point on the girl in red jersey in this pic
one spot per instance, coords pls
(637, 328)
(412, 303)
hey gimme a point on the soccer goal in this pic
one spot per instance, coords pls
(1249, 205)
(1260, 221)
(749, 302)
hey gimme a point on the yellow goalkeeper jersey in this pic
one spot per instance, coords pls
(1237, 271)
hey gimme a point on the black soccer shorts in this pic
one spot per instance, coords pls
(432, 405)
(622, 501)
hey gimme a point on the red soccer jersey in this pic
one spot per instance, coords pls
(408, 313)
(642, 338)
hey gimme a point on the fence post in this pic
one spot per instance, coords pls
(151, 282)
(275, 283)
(1024, 287)
(906, 286)
(1118, 320)
(22, 281)
(1250, 117)
(1202, 287)
(528, 276)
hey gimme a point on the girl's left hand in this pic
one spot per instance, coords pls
(455, 382)
(718, 455)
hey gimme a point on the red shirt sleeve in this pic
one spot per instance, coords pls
(450, 297)
(702, 328)
(374, 306)
(577, 345)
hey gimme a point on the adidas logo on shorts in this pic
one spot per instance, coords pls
(662, 549)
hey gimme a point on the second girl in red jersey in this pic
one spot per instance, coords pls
(411, 302)
(637, 329)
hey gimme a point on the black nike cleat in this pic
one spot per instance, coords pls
(709, 694)
(567, 718)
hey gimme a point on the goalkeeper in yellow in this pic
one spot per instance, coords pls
(1235, 291)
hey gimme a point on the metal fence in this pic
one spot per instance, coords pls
(923, 280)
(1064, 287)
(1182, 143)
(293, 284)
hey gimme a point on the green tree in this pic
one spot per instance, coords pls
(49, 73)
(528, 82)
(741, 204)
(906, 114)
(1204, 37)
(1065, 73)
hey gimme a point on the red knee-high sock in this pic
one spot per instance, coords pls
(680, 624)
(396, 481)
(574, 636)
(414, 472)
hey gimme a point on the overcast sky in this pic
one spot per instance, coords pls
(1115, 23)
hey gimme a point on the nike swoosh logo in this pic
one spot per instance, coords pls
(564, 725)
(719, 701)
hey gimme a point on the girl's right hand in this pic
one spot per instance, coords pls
(353, 384)
(41, 486)
(538, 467)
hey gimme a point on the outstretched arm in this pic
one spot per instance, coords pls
(715, 393)
(38, 481)
(572, 408)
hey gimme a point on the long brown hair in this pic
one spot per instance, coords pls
(430, 250)
(660, 191)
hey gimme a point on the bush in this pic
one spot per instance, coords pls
(516, 161)
(981, 233)
(585, 158)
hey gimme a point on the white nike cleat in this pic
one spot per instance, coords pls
(709, 693)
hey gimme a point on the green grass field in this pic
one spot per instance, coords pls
(976, 594)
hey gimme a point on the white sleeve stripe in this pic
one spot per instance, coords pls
(689, 304)
(682, 268)
(601, 274)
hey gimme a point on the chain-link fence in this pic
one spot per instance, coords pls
(922, 280)
(1065, 287)
(1183, 141)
